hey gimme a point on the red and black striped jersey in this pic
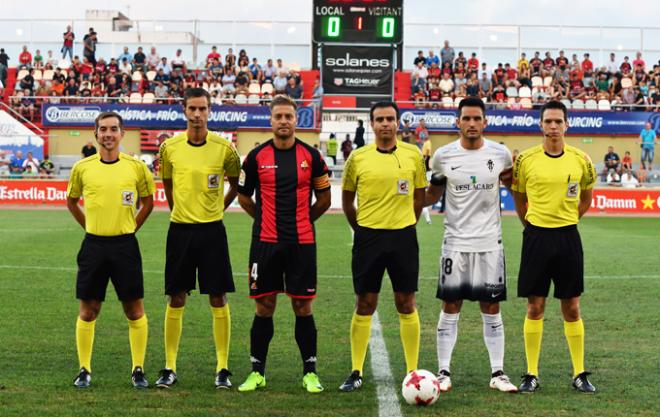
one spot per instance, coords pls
(283, 181)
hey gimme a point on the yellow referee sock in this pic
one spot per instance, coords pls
(360, 332)
(574, 332)
(138, 331)
(173, 328)
(221, 335)
(533, 330)
(85, 342)
(409, 329)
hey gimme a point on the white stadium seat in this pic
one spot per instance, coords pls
(604, 105)
(591, 104)
(524, 92)
(148, 98)
(135, 98)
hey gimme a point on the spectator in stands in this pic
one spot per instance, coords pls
(432, 59)
(16, 163)
(406, 133)
(639, 61)
(125, 55)
(162, 77)
(46, 167)
(280, 82)
(525, 77)
(587, 66)
(255, 70)
(421, 133)
(213, 55)
(536, 65)
(215, 69)
(113, 88)
(447, 69)
(510, 75)
(472, 86)
(358, 140)
(498, 95)
(125, 66)
(460, 79)
(31, 163)
(548, 64)
(230, 58)
(67, 45)
(178, 62)
(140, 60)
(485, 86)
(627, 162)
(562, 61)
(628, 98)
(160, 92)
(626, 67)
(523, 63)
(164, 66)
(640, 100)
(38, 60)
(346, 147)
(612, 163)
(499, 75)
(420, 71)
(654, 99)
(153, 59)
(473, 64)
(447, 54)
(418, 84)
(647, 141)
(642, 174)
(419, 58)
(88, 149)
(25, 59)
(628, 180)
(27, 105)
(269, 71)
(484, 68)
(90, 46)
(612, 65)
(51, 61)
(601, 83)
(229, 80)
(460, 60)
(446, 85)
(27, 83)
(317, 94)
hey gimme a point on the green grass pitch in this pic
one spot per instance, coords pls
(38, 311)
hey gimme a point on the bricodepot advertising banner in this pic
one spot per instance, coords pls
(605, 200)
(357, 70)
(166, 116)
(527, 121)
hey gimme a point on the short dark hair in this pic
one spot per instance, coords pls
(554, 104)
(471, 101)
(383, 105)
(282, 100)
(106, 115)
(194, 93)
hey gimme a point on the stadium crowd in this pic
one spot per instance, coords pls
(625, 85)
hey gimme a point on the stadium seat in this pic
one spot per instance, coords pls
(510, 100)
(447, 102)
(566, 102)
(254, 88)
(135, 98)
(241, 99)
(37, 75)
(457, 101)
(151, 75)
(511, 92)
(547, 81)
(626, 83)
(591, 104)
(21, 74)
(267, 88)
(604, 105)
(205, 86)
(537, 81)
(526, 103)
(148, 98)
(137, 76)
(253, 99)
(524, 92)
(48, 75)
(577, 104)
(64, 64)
(218, 101)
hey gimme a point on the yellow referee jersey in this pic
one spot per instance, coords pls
(110, 192)
(385, 183)
(197, 173)
(553, 184)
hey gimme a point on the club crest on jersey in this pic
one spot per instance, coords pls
(304, 165)
(572, 189)
(213, 181)
(403, 187)
(490, 165)
(127, 198)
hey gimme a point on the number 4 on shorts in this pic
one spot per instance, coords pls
(254, 272)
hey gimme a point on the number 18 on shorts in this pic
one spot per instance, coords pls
(474, 276)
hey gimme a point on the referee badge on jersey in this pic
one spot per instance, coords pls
(241, 178)
(572, 190)
(127, 198)
(213, 181)
(403, 187)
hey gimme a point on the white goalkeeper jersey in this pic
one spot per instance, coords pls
(472, 197)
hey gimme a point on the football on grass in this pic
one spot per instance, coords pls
(420, 387)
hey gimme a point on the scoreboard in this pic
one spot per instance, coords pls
(358, 21)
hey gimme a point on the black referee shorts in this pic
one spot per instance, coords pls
(282, 267)
(104, 258)
(551, 255)
(378, 250)
(198, 252)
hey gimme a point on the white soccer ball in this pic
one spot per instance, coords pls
(420, 387)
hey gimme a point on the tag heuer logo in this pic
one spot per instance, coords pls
(339, 82)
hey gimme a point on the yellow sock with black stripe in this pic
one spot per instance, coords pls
(574, 332)
(221, 335)
(173, 329)
(360, 332)
(138, 332)
(533, 331)
(85, 342)
(410, 333)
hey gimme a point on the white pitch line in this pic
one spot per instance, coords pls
(242, 274)
(388, 402)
